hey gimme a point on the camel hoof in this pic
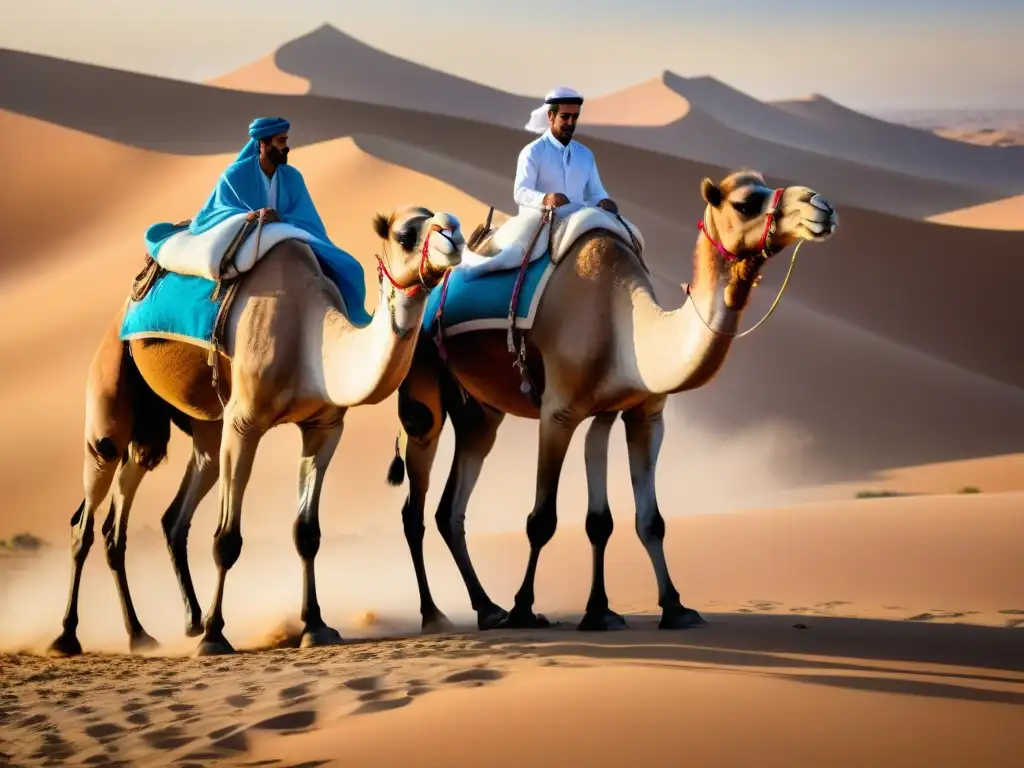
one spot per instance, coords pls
(214, 645)
(602, 620)
(437, 623)
(65, 645)
(193, 628)
(142, 643)
(491, 617)
(680, 617)
(525, 619)
(313, 638)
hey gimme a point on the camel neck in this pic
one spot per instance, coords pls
(363, 364)
(675, 350)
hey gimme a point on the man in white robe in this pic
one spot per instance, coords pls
(555, 170)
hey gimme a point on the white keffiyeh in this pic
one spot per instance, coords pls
(539, 117)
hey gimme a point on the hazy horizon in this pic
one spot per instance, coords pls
(872, 56)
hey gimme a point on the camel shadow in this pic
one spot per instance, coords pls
(974, 663)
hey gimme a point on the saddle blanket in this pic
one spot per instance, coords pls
(201, 255)
(480, 287)
(508, 243)
(177, 307)
(481, 303)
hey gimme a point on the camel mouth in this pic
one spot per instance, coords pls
(449, 236)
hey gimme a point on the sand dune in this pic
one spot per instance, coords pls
(985, 137)
(884, 610)
(741, 693)
(262, 76)
(1001, 214)
(340, 66)
(864, 278)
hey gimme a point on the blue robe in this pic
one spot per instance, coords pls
(240, 190)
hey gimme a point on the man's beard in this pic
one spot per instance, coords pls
(277, 156)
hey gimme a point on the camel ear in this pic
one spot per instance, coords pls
(381, 225)
(711, 194)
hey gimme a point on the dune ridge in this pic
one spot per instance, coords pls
(325, 55)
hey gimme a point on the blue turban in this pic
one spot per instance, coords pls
(262, 128)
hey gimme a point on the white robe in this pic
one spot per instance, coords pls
(546, 165)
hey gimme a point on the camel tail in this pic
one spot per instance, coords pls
(396, 472)
(151, 421)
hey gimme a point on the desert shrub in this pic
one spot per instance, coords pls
(23, 542)
(877, 494)
(969, 489)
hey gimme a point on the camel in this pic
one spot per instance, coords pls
(290, 356)
(600, 346)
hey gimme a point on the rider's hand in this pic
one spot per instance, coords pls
(609, 205)
(555, 199)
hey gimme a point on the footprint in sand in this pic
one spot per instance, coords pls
(166, 739)
(138, 718)
(104, 732)
(381, 705)
(238, 701)
(300, 720)
(364, 683)
(477, 676)
(54, 748)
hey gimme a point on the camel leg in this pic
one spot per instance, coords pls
(115, 539)
(556, 429)
(318, 446)
(237, 452)
(422, 415)
(108, 431)
(645, 430)
(419, 458)
(476, 429)
(200, 477)
(101, 462)
(599, 523)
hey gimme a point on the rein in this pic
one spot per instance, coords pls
(770, 226)
(411, 290)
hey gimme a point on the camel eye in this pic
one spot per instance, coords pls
(747, 208)
(406, 238)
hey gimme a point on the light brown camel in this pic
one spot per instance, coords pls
(290, 356)
(600, 346)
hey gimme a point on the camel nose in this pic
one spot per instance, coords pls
(443, 220)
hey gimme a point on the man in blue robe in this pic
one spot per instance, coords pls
(260, 177)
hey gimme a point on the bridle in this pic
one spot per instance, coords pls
(770, 227)
(410, 290)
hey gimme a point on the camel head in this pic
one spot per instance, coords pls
(420, 246)
(746, 228)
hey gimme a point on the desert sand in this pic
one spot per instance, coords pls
(1001, 214)
(842, 630)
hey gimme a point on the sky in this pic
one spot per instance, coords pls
(867, 54)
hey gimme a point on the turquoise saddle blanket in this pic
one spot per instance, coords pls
(482, 302)
(178, 307)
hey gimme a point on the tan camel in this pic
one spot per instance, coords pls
(290, 356)
(600, 345)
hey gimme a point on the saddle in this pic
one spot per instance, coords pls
(153, 271)
(482, 234)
